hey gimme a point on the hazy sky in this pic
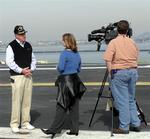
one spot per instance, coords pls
(49, 19)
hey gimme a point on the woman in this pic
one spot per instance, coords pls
(70, 88)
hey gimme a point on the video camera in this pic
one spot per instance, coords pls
(106, 34)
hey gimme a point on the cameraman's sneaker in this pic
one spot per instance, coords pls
(120, 131)
(15, 129)
(28, 126)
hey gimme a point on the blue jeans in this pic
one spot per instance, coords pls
(123, 86)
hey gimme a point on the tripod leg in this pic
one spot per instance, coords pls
(94, 112)
(141, 113)
(99, 95)
(112, 118)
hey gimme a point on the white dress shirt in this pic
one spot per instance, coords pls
(12, 64)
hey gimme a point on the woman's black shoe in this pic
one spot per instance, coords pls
(47, 132)
(71, 133)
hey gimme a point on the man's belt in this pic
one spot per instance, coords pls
(113, 71)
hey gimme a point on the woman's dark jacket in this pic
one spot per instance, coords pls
(70, 87)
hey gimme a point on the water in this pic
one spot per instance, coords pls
(89, 55)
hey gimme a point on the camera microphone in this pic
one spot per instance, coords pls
(95, 31)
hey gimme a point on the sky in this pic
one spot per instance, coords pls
(47, 20)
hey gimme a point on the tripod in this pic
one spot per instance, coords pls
(100, 95)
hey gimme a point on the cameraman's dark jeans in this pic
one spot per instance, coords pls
(123, 86)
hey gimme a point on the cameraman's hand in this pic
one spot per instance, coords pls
(109, 75)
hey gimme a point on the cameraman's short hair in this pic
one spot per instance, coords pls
(123, 27)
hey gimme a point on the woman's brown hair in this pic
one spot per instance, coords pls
(70, 42)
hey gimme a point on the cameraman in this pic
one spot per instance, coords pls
(121, 59)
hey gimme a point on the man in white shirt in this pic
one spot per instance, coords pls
(21, 62)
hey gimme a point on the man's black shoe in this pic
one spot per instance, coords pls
(135, 129)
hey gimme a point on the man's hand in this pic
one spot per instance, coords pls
(27, 72)
(108, 65)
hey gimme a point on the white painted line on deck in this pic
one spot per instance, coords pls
(83, 134)
(84, 68)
